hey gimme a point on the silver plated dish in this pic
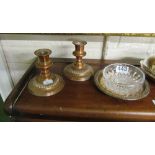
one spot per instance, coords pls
(100, 83)
(147, 65)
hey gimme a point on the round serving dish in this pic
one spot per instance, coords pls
(148, 66)
(123, 79)
(100, 83)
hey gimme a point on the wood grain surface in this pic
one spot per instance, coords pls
(78, 101)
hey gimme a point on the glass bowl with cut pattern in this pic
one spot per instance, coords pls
(123, 79)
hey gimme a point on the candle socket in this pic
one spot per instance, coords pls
(46, 83)
(79, 70)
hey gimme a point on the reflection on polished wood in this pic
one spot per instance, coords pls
(78, 101)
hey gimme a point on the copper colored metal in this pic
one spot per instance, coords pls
(46, 83)
(78, 70)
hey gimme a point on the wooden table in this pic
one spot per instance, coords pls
(78, 101)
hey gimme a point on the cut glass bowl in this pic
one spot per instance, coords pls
(123, 79)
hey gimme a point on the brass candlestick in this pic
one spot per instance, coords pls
(78, 71)
(46, 83)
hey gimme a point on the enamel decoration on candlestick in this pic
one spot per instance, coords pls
(46, 83)
(78, 71)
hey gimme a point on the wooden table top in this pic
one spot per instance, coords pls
(78, 101)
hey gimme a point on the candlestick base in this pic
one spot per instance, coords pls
(76, 74)
(39, 86)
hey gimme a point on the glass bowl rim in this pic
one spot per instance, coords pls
(121, 84)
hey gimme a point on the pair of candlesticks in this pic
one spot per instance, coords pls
(47, 83)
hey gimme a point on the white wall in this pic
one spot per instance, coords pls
(20, 53)
(6, 84)
(129, 47)
(19, 49)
